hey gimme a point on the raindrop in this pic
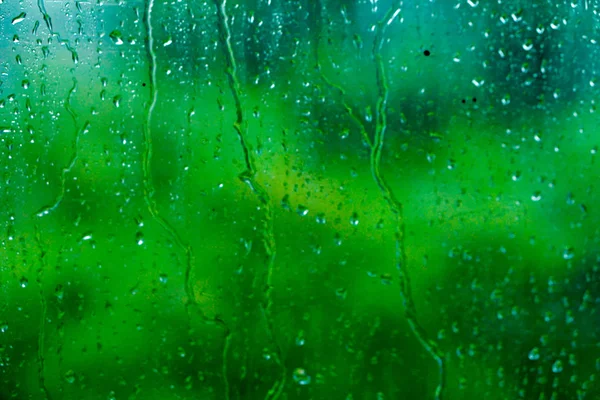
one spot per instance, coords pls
(337, 239)
(537, 196)
(341, 293)
(321, 218)
(568, 253)
(302, 211)
(19, 18)
(300, 339)
(139, 238)
(23, 282)
(285, 202)
(163, 278)
(301, 377)
(70, 376)
(116, 37)
(570, 199)
(557, 367)
(386, 279)
(528, 45)
(354, 219)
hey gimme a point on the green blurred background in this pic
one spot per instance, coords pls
(195, 199)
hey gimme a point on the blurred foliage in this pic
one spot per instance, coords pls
(299, 200)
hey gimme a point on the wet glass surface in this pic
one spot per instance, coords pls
(306, 199)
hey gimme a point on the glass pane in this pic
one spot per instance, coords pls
(303, 199)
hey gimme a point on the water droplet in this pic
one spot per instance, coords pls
(568, 253)
(87, 236)
(285, 202)
(321, 218)
(337, 239)
(300, 339)
(301, 377)
(386, 279)
(58, 292)
(139, 237)
(354, 219)
(70, 376)
(19, 18)
(163, 278)
(557, 367)
(570, 199)
(478, 82)
(341, 293)
(116, 37)
(302, 211)
(3, 327)
(528, 45)
(536, 196)
(23, 282)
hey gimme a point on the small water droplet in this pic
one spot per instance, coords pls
(3, 327)
(568, 253)
(386, 279)
(116, 37)
(337, 239)
(70, 376)
(557, 367)
(139, 237)
(341, 293)
(301, 377)
(163, 278)
(321, 218)
(285, 202)
(23, 282)
(300, 339)
(302, 211)
(536, 196)
(354, 219)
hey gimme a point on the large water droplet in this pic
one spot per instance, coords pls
(19, 18)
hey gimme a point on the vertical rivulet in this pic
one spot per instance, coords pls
(395, 205)
(249, 177)
(149, 188)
